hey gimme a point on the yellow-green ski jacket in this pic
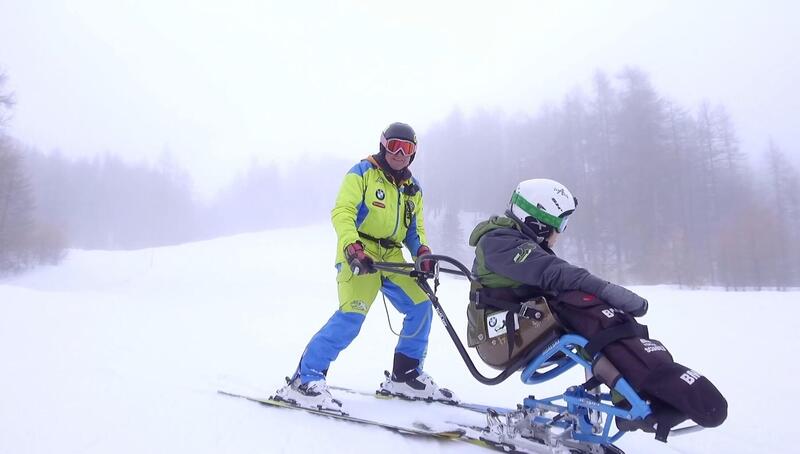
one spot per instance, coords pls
(370, 203)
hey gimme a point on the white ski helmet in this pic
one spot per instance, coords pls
(543, 205)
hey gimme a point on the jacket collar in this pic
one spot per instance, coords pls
(527, 231)
(397, 177)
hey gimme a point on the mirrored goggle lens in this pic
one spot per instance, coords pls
(395, 146)
(563, 225)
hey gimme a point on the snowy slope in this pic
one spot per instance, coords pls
(123, 352)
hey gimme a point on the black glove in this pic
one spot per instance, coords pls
(426, 265)
(624, 299)
(358, 260)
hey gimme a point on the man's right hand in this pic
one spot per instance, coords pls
(358, 260)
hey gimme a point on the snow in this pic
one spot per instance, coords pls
(124, 351)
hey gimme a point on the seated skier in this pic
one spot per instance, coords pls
(515, 263)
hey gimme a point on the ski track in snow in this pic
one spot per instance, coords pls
(124, 351)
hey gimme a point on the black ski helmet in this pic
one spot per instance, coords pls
(398, 130)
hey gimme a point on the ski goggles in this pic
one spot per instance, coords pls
(563, 225)
(394, 146)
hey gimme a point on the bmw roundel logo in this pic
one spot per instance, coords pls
(380, 194)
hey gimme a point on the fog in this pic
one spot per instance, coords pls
(217, 83)
(145, 123)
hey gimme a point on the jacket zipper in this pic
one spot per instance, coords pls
(397, 214)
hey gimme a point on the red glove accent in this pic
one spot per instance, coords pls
(358, 260)
(426, 265)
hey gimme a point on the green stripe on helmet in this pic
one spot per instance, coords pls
(538, 213)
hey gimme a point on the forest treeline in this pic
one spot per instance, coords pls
(666, 194)
(105, 202)
(49, 203)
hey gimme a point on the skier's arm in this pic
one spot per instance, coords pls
(624, 299)
(546, 271)
(537, 267)
(348, 202)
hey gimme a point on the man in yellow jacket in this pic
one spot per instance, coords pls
(378, 209)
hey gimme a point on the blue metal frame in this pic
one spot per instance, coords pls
(578, 401)
(575, 416)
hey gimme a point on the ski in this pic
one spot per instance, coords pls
(451, 432)
(492, 438)
(478, 408)
(419, 429)
(499, 440)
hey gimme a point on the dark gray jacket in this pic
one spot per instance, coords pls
(507, 257)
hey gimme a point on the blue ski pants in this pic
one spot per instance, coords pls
(356, 294)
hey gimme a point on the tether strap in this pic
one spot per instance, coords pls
(601, 339)
(511, 332)
(592, 383)
(667, 419)
(662, 432)
(384, 242)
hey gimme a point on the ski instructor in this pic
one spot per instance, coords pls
(378, 210)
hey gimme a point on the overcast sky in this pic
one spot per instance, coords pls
(217, 82)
